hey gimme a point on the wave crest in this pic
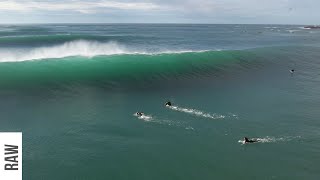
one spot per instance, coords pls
(83, 48)
(72, 48)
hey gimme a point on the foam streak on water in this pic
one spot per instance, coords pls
(150, 118)
(196, 112)
(144, 117)
(269, 139)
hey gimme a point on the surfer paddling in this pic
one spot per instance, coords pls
(139, 114)
(246, 140)
(168, 104)
(292, 71)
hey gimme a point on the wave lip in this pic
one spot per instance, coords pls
(72, 48)
(83, 48)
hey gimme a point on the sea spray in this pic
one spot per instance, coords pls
(84, 48)
(73, 48)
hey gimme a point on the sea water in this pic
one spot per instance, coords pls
(73, 90)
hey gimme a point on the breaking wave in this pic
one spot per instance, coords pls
(73, 48)
(84, 48)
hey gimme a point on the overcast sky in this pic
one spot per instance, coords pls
(161, 11)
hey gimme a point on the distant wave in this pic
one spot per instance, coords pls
(83, 48)
(19, 37)
(293, 30)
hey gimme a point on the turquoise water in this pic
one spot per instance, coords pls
(73, 89)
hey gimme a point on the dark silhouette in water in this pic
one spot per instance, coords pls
(139, 114)
(292, 71)
(168, 103)
(246, 140)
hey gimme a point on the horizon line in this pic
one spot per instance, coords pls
(37, 23)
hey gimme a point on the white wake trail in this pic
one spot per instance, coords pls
(269, 139)
(144, 117)
(151, 119)
(197, 112)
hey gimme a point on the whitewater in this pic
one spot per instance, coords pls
(82, 48)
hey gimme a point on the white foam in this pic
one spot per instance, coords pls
(189, 128)
(269, 27)
(197, 112)
(172, 123)
(144, 117)
(72, 48)
(293, 30)
(268, 139)
(152, 119)
(83, 48)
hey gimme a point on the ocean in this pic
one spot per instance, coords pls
(73, 90)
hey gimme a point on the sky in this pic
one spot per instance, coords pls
(161, 11)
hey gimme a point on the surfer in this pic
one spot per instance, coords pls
(246, 140)
(139, 114)
(292, 71)
(168, 103)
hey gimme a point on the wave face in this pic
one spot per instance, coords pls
(95, 65)
(82, 61)
(114, 69)
(120, 69)
(142, 54)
